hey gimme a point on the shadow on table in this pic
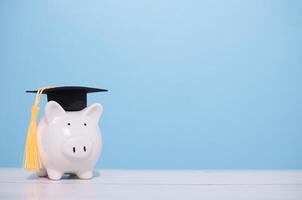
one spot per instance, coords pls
(66, 176)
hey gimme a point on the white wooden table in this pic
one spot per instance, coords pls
(144, 184)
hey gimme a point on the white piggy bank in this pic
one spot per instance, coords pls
(69, 142)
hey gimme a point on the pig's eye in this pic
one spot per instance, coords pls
(68, 124)
(85, 124)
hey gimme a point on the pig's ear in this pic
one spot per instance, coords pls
(53, 110)
(94, 111)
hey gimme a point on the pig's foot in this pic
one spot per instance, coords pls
(42, 172)
(85, 175)
(54, 174)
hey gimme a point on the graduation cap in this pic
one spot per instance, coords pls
(71, 98)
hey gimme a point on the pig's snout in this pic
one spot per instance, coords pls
(77, 148)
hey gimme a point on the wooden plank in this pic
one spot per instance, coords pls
(103, 191)
(168, 177)
(141, 184)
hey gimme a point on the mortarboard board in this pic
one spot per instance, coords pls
(71, 98)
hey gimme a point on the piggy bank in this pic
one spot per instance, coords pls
(69, 142)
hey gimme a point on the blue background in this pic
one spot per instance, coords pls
(193, 84)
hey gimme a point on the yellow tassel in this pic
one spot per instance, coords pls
(31, 155)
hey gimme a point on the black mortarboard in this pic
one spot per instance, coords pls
(71, 98)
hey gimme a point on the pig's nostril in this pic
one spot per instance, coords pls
(84, 148)
(73, 149)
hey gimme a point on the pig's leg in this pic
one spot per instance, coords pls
(42, 172)
(54, 174)
(85, 175)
